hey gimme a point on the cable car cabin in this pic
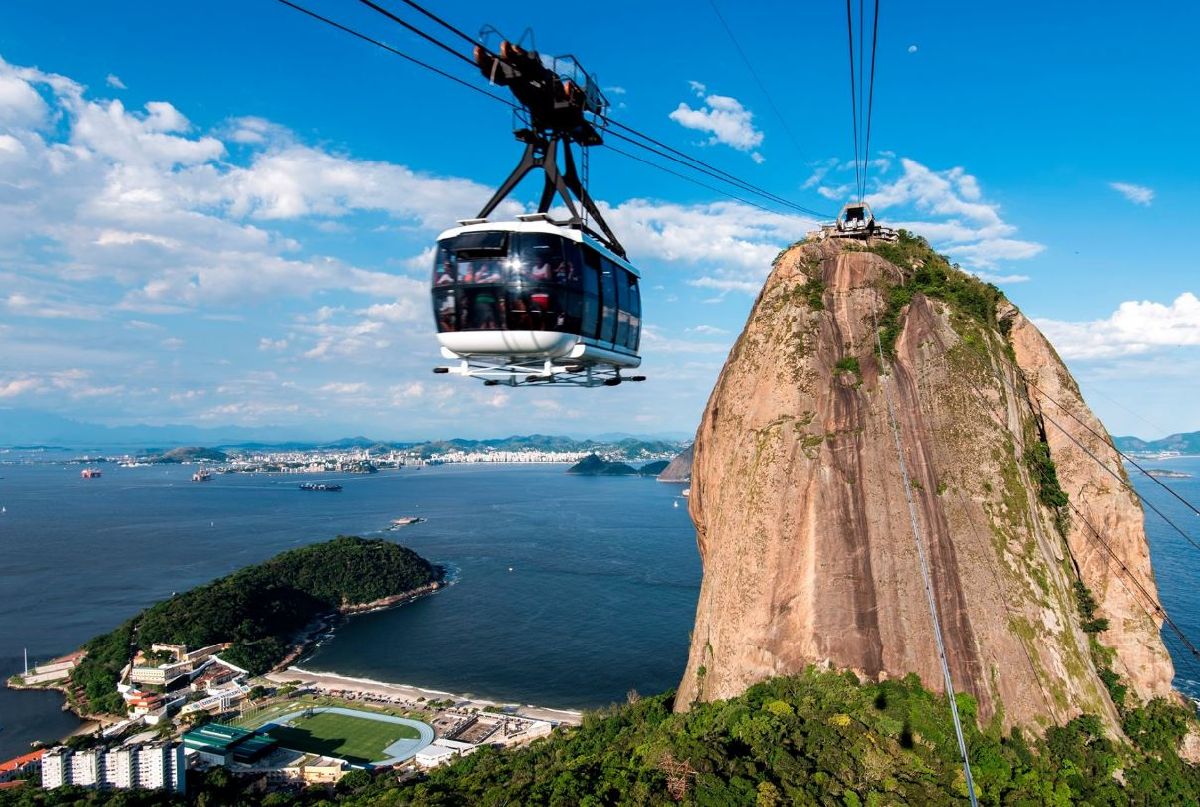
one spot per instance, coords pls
(858, 221)
(524, 302)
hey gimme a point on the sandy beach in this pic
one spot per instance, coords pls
(414, 695)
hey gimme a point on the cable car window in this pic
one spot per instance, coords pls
(445, 312)
(520, 311)
(635, 314)
(484, 309)
(541, 257)
(608, 300)
(569, 277)
(444, 273)
(491, 243)
(622, 306)
(591, 293)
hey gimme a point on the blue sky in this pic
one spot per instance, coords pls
(218, 213)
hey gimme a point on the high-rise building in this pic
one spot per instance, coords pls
(153, 766)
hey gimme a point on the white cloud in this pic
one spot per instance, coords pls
(709, 330)
(13, 387)
(728, 233)
(20, 103)
(912, 48)
(1135, 327)
(964, 224)
(725, 284)
(722, 117)
(1138, 194)
(115, 82)
(344, 388)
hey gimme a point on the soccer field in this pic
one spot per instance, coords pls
(354, 739)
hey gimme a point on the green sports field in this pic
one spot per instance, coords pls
(354, 739)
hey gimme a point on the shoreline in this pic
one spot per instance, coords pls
(329, 622)
(332, 681)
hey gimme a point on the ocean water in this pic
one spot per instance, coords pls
(569, 591)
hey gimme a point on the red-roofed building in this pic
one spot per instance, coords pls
(16, 765)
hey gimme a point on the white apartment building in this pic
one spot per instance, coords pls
(154, 766)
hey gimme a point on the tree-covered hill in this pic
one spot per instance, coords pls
(259, 609)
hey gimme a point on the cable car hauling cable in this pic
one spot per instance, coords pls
(870, 100)
(1043, 476)
(754, 74)
(853, 97)
(714, 174)
(394, 51)
(417, 31)
(685, 177)
(439, 21)
(925, 575)
(692, 162)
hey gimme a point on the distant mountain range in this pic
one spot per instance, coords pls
(1186, 443)
(30, 428)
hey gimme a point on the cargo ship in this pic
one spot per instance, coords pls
(328, 486)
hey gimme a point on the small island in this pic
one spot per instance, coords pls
(595, 465)
(186, 454)
(264, 614)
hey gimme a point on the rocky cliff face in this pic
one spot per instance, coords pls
(680, 469)
(800, 508)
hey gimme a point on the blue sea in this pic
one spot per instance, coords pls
(570, 591)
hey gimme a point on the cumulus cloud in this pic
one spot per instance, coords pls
(345, 388)
(1135, 327)
(729, 233)
(723, 118)
(726, 284)
(954, 214)
(114, 81)
(1138, 194)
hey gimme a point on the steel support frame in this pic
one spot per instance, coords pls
(541, 151)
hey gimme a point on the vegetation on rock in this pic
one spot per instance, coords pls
(929, 273)
(259, 609)
(815, 738)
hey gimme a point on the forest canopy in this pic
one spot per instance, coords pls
(259, 609)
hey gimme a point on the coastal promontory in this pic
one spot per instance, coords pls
(259, 611)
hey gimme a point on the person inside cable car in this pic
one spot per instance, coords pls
(445, 274)
(486, 310)
(446, 313)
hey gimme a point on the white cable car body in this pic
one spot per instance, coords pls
(532, 301)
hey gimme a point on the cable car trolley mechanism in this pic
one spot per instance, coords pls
(536, 300)
(858, 222)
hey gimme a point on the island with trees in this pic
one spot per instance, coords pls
(595, 465)
(260, 611)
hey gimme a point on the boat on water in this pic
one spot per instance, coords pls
(687, 491)
(201, 476)
(90, 473)
(405, 521)
(327, 486)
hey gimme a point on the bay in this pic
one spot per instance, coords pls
(599, 600)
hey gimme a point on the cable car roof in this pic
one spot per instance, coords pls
(535, 223)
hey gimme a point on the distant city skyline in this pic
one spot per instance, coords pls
(230, 226)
